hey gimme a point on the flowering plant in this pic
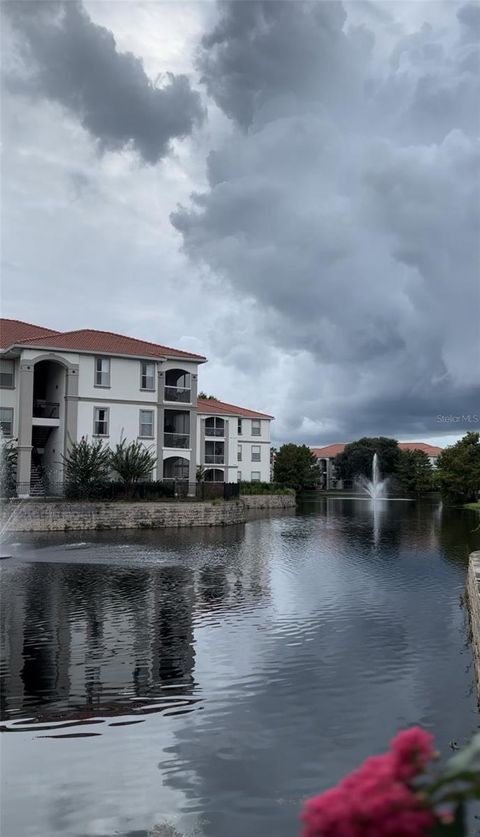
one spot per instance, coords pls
(395, 794)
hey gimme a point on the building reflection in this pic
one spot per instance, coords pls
(99, 639)
(81, 641)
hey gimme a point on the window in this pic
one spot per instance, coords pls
(256, 427)
(102, 371)
(147, 377)
(100, 423)
(146, 424)
(214, 453)
(239, 430)
(239, 453)
(255, 453)
(6, 420)
(239, 476)
(214, 426)
(7, 373)
(255, 476)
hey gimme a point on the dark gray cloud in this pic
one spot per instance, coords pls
(70, 60)
(345, 202)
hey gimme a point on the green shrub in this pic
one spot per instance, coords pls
(265, 488)
(8, 467)
(86, 469)
(132, 462)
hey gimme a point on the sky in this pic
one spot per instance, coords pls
(290, 188)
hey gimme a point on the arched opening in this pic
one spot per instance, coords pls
(178, 385)
(214, 475)
(48, 422)
(176, 468)
(214, 426)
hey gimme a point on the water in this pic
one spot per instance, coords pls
(212, 679)
(376, 488)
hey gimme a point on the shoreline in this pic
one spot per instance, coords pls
(61, 516)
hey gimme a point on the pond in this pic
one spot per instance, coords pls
(213, 679)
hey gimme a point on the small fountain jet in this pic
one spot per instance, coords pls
(376, 487)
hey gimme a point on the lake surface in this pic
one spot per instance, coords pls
(213, 679)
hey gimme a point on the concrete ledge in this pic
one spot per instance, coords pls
(61, 516)
(473, 590)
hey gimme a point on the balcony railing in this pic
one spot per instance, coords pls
(46, 409)
(214, 459)
(176, 440)
(182, 394)
(214, 431)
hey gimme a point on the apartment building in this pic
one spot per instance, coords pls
(234, 443)
(326, 460)
(57, 387)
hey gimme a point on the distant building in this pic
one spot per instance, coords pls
(57, 387)
(326, 456)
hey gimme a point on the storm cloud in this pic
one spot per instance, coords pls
(67, 58)
(344, 201)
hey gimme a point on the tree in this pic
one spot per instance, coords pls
(205, 397)
(132, 462)
(414, 472)
(356, 459)
(296, 465)
(8, 466)
(458, 470)
(86, 467)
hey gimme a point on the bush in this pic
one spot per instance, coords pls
(86, 469)
(8, 467)
(132, 462)
(265, 488)
(118, 491)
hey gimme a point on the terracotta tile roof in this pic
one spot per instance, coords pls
(329, 451)
(213, 406)
(431, 450)
(101, 342)
(16, 331)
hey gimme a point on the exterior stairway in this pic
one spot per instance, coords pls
(37, 485)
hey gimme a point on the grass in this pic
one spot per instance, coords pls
(473, 505)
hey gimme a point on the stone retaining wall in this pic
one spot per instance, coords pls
(60, 516)
(473, 589)
(269, 501)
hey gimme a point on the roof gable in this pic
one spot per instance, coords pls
(90, 340)
(16, 331)
(215, 407)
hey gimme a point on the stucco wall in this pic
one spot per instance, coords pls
(59, 516)
(473, 589)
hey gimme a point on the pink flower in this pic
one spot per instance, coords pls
(376, 800)
(412, 749)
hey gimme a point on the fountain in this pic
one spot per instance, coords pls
(376, 487)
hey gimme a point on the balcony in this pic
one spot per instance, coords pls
(214, 459)
(46, 409)
(176, 440)
(178, 394)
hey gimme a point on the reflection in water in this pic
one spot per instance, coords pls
(214, 678)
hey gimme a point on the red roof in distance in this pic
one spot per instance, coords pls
(329, 451)
(215, 407)
(430, 450)
(91, 340)
(16, 331)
